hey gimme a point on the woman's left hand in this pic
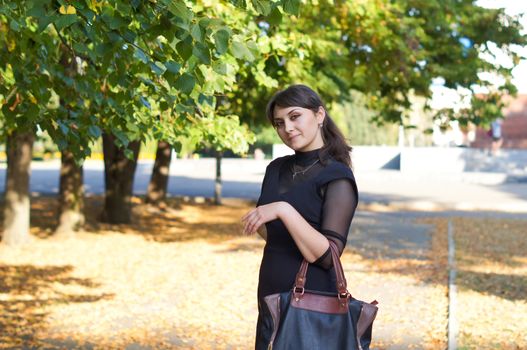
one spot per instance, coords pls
(260, 215)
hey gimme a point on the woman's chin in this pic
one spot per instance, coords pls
(294, 144)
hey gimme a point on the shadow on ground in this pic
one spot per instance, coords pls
(506, 286)
(177, 222)
(29, 291)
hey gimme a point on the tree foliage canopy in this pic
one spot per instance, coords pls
(132, 68)
(387, 50)
(170, 69)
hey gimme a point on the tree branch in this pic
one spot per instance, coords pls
(8, 97)
(64, 42)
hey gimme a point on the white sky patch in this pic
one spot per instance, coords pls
(497, 56)
(512, 8)
(448, 98)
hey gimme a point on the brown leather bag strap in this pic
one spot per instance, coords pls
(342, 285)
(300, 280)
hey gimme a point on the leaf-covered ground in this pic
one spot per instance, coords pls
(491, 257)
(184, 278)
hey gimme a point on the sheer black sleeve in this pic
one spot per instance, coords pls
(340, 201)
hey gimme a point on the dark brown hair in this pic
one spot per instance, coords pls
(299, 95)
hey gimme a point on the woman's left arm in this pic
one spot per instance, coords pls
(312, 243)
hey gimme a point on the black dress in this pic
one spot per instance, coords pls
(326, 196)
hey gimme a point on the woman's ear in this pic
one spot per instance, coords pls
(321, 115)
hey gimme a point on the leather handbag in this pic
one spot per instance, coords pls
(307, 320)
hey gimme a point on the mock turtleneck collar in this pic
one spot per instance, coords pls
(306, 158)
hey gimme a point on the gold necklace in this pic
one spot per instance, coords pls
(295, 173)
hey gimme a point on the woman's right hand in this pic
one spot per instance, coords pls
(258, 216)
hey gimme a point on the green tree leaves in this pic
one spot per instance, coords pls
(118, 65)
(179, 9)
(291, 6)
(156, 68)
(185, 83)
(221, 41)
(261, 6)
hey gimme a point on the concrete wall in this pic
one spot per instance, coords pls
(431, 159)
(456, 160)
(376, 157)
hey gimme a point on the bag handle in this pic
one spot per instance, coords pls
(300, 280)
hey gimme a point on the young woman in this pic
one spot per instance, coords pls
(307, 198)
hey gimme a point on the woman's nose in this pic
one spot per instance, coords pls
(288, 125)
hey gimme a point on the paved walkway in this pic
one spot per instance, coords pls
(392, 236)
(438, 192)
(379, 189)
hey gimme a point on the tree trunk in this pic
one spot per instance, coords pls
(71, 196)
(119, 178)
(17, 209)
(157, 188)
(71, 189)
(217, 187)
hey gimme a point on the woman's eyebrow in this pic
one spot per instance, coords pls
(288, 113)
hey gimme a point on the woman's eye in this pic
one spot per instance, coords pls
(293, 117)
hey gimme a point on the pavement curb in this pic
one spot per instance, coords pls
(453, 325)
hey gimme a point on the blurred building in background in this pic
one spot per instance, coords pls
(514, 126)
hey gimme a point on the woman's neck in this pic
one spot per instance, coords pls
(306, 157)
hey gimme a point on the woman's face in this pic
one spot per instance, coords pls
(298, 127)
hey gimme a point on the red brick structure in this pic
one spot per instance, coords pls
(514, 127)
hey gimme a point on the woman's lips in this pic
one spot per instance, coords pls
(292, 137)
